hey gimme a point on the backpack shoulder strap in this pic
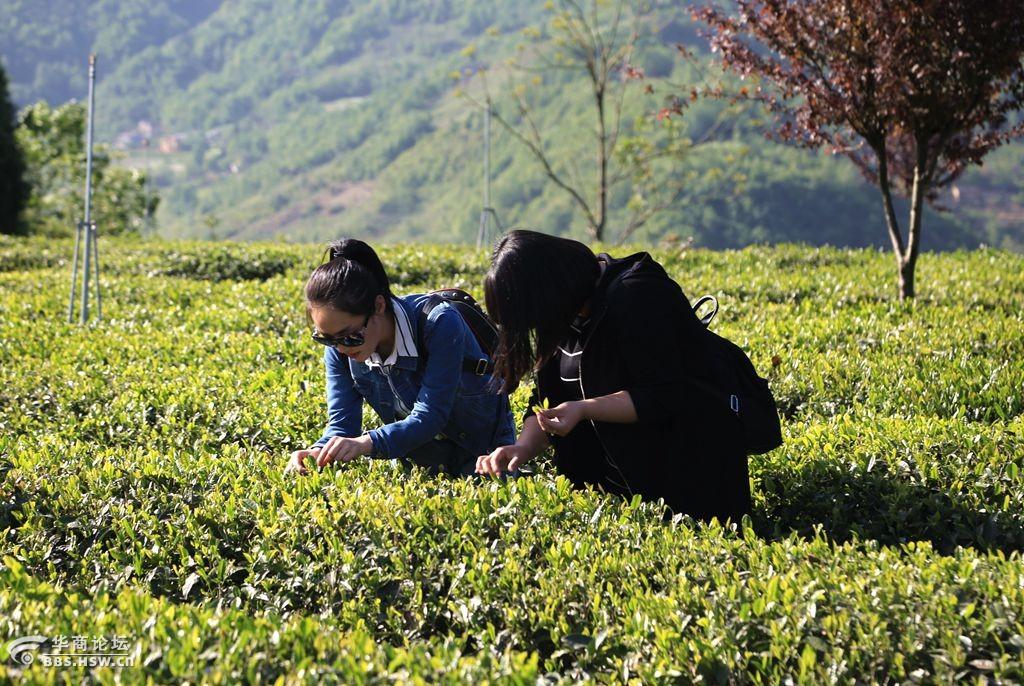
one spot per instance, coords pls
(432, 301)
(706, 319)
(472, 365)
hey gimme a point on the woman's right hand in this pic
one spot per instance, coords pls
(507, 458)
(298, 458)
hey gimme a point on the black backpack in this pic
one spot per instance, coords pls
(484, 330)
(735, 383)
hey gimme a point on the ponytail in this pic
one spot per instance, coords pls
(349, 280)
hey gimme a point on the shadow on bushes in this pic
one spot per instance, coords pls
(222, 264)
(881, 506)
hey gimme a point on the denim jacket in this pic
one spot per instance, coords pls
(443, 398)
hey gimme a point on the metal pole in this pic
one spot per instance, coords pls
(89, 231)
(487, 157)
(484, 215)
(74, 274)
(96, 263)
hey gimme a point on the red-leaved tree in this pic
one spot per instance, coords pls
(913, 91)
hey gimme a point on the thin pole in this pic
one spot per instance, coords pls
(74, 274)
(96, 263)
(89, 229)
(485, 214)
(487, 157)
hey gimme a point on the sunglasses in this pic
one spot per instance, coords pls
(352, 340)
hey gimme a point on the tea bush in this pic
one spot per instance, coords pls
(142, 490)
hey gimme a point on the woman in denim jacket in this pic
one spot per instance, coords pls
(410, 358)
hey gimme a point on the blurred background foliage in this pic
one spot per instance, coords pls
(308, 120)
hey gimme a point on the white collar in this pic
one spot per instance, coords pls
(405, 341)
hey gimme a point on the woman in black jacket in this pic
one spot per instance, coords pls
(616, 349)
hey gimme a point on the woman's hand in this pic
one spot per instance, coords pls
(296, 463)
(507, 458)
(561, 419)
(336, 449)
(341, 449)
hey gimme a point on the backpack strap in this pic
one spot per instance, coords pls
(706, 319)
(471, 365)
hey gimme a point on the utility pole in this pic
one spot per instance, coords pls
(90, 256)
(488, 211)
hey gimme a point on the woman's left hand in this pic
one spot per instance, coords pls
(340, 449)
(561, 419)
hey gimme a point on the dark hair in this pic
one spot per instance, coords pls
(349, 280)
(535, 287)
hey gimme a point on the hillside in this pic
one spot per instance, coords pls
(45, 43)
(304, 120)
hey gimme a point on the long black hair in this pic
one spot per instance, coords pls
(349, 280)
(535, 287)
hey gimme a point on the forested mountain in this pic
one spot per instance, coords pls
(45, 43)
(307, 119)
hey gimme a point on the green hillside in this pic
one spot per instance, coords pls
(142, 493)
(45, 43)
(305, 120)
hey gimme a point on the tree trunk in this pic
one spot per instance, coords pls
(909, 261)
(906, 280)
(891, 222)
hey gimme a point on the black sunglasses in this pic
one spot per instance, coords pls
(352, 340)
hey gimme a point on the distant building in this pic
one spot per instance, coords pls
(169, 144)
(130, 139)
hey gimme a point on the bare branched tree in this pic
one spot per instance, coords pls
(596, 40)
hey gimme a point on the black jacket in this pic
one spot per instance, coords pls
(643, 337)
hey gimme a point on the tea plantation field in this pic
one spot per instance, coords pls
(142, 492)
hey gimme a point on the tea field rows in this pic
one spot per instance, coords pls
(142, 493)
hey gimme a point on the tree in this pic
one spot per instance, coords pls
(911, 91)
(13, 189)
(53, 141)
(596, 41)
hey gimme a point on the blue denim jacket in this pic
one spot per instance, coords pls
(443, 398)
